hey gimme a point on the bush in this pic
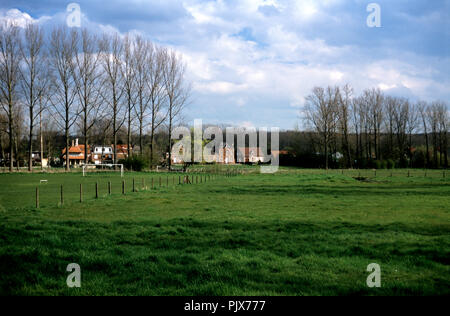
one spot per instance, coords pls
(390, 164)
(135, 163)
(381, 164)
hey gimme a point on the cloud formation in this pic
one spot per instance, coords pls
(254, 61)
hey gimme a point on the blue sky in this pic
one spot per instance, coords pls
(252, 62)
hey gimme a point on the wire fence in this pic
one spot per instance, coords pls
(37, 190)
(40, 190)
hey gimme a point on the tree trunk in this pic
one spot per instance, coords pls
(151, 149)
(170, 140)
(129, 127)
(11, 143)
(30, 140)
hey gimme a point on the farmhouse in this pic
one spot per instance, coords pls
(105, 154)
(225, 156)
(98, 155)
(102, 154)
(76, 154)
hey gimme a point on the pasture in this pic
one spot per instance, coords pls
(297, 232)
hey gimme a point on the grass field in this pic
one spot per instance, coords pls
(298, 232)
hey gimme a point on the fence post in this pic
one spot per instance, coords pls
(134, 187)
(37, 197)
(159, 181)
(81, 193)
(109, 187)
(96, 190)
(62, 194)
(123, 186)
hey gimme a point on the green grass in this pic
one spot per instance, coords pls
(298, 232)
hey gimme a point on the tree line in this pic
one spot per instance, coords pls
(71, 81)
(374, 129)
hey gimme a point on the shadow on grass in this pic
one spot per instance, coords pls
(190, 257)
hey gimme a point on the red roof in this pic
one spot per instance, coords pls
(76, 150)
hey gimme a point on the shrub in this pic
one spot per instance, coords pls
(390, 164)
(135, 163)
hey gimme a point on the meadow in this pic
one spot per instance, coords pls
(296, 232)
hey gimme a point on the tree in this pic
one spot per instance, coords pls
(321, 109)
(63, 47)
(111, 51)
(34, 78)
(412, 122)
(400, 125)
(345, 102)
(156, 87)
(422, 108)
(87, 82)
(390, 108)
(10, 59)
(128, 74)
(144, 55)
(177, 92)
(3, 135)
(433, 121)
(443, 121)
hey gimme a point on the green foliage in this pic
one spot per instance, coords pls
(134, 162)
(390, 164)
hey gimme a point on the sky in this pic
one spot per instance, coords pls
(253, 62)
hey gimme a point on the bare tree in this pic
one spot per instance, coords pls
(390, 108)
(111, 52)
(177, 91)
(34, 79)
(144, 60)
(156, 88)
(400, 124)
(128, 74)
(412, 123)
(63, 47)
(373, 99)
(344, 113)
(88, 85)
(357, 123)
(10, 59)
(321, 114)
(443, 119)
(422, 108)
(433, 121)
(3, 133)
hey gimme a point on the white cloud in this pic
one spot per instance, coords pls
(19, 18)
(276, 59)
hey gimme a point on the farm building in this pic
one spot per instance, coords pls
(98, 155)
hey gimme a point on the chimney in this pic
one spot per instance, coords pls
(76, 142)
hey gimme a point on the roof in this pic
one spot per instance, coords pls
(76, 149)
